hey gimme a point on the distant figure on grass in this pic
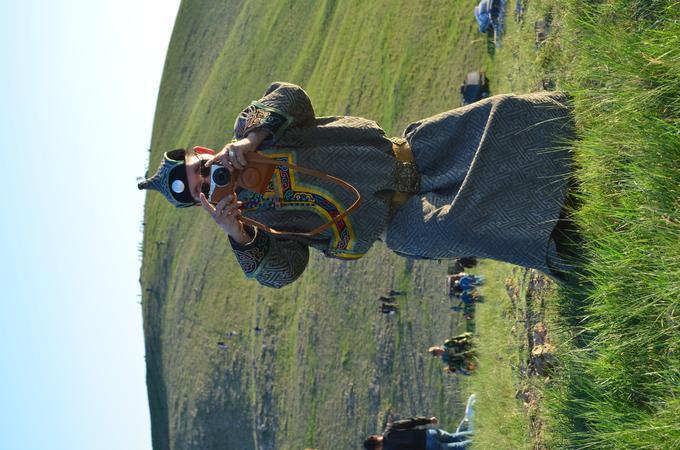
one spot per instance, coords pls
(388, 308)
(460, 264)
(470, 297)
(467, 261)
(467, 281)
(487, 13)
(222, 346)
(457, 353)
(387, 299)
(455, 288)
(461, 282)
(486, 180)
(414, 434)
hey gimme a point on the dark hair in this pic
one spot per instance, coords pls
(372, 442)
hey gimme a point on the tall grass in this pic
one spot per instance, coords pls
(622, 381)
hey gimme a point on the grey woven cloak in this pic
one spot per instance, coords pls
(494, 177)
(493, 181)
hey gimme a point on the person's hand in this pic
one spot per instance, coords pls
(434, 420)
(233, 155)
(225, 214)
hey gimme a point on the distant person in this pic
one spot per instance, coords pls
(462, 282)
(485, 14)
(394, 293)
(456, 289)
(470, 297)
(461, 363)
(487, 180)
(460, 343)
(387, 299)
(461, 263)
(457, 353)
(222, 346)
(390, 309)
(467, 281)
(467, 261)
(413, 434)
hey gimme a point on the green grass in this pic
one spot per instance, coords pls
(617, 325)
(622, 391)
(326, 370)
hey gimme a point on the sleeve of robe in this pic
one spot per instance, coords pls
(274, 262)
(271, 261)
(283, 106)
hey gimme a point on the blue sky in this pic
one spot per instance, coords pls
(79, 83)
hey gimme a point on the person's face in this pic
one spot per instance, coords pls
(198, 179)
(438, 351)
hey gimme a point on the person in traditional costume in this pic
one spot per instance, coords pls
(415, 433)
(487, 180)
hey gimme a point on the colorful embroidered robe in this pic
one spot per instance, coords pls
(493, 183)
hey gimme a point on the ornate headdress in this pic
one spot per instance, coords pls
(171, 179)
